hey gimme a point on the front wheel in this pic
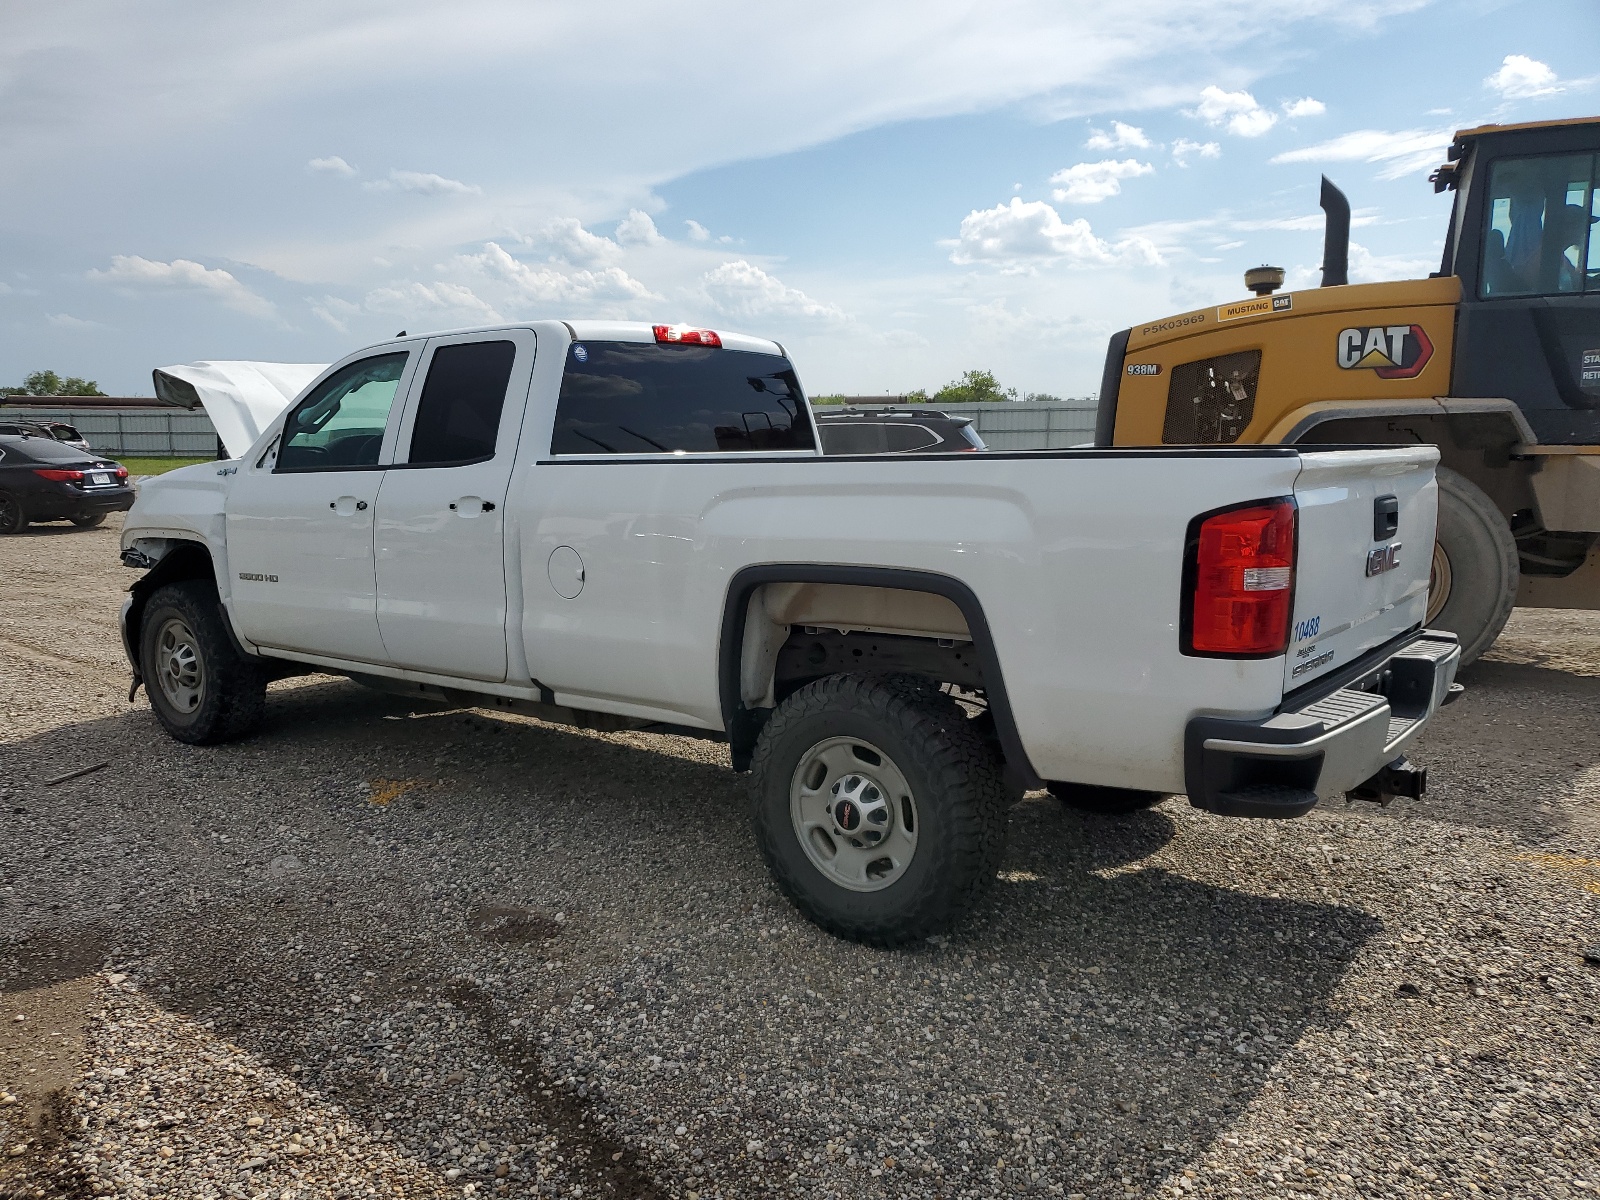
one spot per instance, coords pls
(880, 811)
(89, 521)
(1474, 573)
(202, 690)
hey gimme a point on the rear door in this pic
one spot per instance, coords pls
(1365, 546)
(440, 533)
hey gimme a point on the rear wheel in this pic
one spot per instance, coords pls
(89, 521)
(13, 519)
(1105, 801)
(1474, 576)
(880, 811)
(202, 690)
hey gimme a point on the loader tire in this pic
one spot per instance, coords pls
(1474, 577)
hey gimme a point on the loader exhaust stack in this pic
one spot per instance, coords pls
(1336, 240)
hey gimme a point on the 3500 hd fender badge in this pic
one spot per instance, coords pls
(1388, 351)
(255, 577)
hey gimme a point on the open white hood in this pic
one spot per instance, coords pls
(241, 398)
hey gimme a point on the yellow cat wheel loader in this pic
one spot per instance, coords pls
(1495, 359)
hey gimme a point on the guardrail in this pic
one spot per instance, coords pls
(151, 433)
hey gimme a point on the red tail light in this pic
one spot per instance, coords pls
(59, 476)
(683, 335)
(1240, 576)
(122, 472)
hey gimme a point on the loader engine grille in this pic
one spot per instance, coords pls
(1211, 401)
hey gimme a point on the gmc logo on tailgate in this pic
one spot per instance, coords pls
(1384, 558)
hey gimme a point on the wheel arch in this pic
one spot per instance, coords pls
(743, 723)
(1477, 439)
(184, 560)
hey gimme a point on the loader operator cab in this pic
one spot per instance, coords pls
(1523, 243)
(1494, 358)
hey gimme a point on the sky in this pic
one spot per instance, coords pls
(897, 192)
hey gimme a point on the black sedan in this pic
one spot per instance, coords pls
(894, 431)
(43, 480)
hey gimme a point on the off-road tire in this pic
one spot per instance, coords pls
(90, 521)
(955, 779)
(1484, 571)
(1104, 801)
(13, 517)
(233, 689)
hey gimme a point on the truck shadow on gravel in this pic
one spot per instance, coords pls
(471, 962)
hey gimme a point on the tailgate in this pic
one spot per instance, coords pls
(1354, 587)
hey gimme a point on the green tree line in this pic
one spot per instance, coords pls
(48, 383)
(974, 387)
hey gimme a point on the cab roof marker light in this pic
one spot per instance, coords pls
(685, 335)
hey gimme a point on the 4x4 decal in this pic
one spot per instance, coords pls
(1389, 351)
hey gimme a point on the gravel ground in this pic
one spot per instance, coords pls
(384, 951)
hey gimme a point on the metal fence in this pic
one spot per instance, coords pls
(146, 432)
(176, 433)
(1018, 425)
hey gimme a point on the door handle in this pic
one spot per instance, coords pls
(346, 505)
(470, 506)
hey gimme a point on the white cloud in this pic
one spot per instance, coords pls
(1367, 267)
(1183, 148)
(413, 298)
(530, 284)
(1020, 232)
(1237, 112)
(67, 321)
(1304, 107)
(129, 270)
(336, 312)
(698, 232)
(637, 229)
(1121, 137)
(1402, 153)
(577, 245)
(423, 183)
(332, 165)
(1522, 78)
(741, 289)
(995, 321)
(1090, 183)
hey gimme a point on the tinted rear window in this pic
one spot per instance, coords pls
(647, 398)
(43, 449)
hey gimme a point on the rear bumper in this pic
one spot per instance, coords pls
(1333, 743)
(68, 501)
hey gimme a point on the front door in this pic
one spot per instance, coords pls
(440, 541)
(300, 516)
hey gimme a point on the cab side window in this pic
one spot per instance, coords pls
(458, 417)
(1539, 241)
(340, 425)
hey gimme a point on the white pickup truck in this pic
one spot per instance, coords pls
(631, 526)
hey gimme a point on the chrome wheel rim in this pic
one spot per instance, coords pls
(1439, 582)
(854, 814)
(179, 671)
